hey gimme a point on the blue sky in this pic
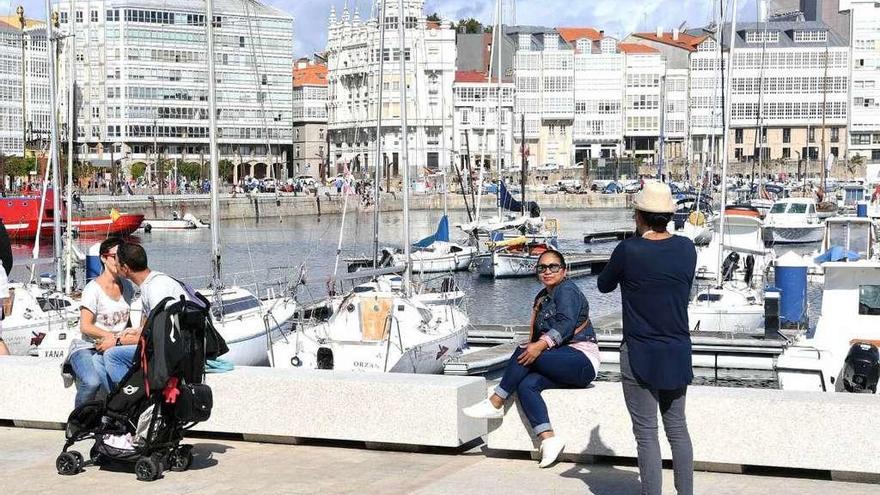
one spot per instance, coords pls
(616, 17)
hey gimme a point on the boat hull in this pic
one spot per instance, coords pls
(794, 235)
(123, 224)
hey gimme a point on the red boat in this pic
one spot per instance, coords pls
(20, 215)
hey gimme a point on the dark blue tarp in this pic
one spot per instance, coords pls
(507, 202)
(442, 234)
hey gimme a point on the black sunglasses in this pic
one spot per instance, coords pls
(553, 267)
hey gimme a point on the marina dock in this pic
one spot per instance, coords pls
(608, 235)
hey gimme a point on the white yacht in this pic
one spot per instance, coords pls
(841, 353)
(374, 331)
(735, 307)
(438, 257)
(742, 235)
(793, 220)
(36, 317)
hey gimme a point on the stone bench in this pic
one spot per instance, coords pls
(284, 405)
(730, 428)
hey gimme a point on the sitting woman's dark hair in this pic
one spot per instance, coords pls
(655, 221)
(555, 253)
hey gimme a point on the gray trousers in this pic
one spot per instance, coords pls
(642, 403)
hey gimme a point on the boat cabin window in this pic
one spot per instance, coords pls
(709, 297)
(852, 236)
(778, 208)
(812, 209)
(797, 208)
(52, 303)
(869, 299)
(232, 306)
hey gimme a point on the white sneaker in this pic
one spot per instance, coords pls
(483, 410)
(550, 450)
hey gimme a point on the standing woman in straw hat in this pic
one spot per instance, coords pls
(655, 271)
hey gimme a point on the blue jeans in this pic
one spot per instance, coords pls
(91, 376)
(118, 360)
(560, 367)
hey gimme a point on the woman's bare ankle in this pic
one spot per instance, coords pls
(496, 401)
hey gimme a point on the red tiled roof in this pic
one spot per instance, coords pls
(635, 48)
(311, 75)
(470, 76)
(685, 41)
(572, 34)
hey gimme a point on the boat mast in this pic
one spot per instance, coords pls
(53, 148)
(377, 174)
(71, 129)
(404, 136)
(725, 138)
(496, 43)
(216, 283)
(824, 157)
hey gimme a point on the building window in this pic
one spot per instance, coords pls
(762, 37)
(786, 137)
(320, 133)
(93, 16)
(810, 36)
(835, 135)
(241, 41)
(812, 134)
(738, 154)
(786, 153)
(79, 16)
(738, 137)
(764, 135)
(835, 151)
(875, 155)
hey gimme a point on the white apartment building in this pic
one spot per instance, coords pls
(799, 72)
(475, 132)
(141, 82)
(353, 89)
(36, 126)
(705, 101)
(864, 122)
(598, 104)
(309, 117)
(645, 70)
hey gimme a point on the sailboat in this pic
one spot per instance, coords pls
(378, 327)
(731, 305)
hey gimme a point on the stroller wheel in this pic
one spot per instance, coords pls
(181, 458)
(68, 464)
(148, 468)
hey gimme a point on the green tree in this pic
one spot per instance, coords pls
(470, 26)
(17, 166)
(138, 169)
(225, 170)
(83, 170)
(435, 17)
(190, 170)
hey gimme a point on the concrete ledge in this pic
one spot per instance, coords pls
(285, 405)
(729, 427)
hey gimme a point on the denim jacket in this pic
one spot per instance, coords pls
(560, 312)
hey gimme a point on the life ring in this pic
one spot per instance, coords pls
(697, 218)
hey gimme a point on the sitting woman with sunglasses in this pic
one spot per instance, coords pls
(562, 352)
(104, 314)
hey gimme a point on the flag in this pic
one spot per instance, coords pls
(114, 214)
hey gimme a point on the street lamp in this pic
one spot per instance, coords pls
(21, 20)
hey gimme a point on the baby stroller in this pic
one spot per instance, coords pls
(143, 419)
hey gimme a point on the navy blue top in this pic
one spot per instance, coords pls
(560, 312)
(655, 279)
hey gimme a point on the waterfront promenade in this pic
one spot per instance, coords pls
(226, 466)
(267, 205)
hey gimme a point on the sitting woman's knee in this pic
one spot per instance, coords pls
(531, 383)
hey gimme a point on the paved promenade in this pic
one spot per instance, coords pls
(222, 466)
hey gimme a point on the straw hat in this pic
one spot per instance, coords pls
(655, 197)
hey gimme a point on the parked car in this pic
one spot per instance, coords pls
(269, 185)
(612, 188)
(551, 190)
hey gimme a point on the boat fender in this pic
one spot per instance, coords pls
(296, 362)
(350, 307)
(697, 218)
(148, 228)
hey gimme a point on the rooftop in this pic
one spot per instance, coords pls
(685, 41)
(636, 49)
(12, 21)
(572, 34)
(310, 75)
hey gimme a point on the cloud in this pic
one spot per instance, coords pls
(616, 17)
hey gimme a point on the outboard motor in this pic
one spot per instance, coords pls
(750, 269)
(729, 266)
(861, 369)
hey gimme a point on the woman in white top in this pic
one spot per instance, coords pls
(104, 314)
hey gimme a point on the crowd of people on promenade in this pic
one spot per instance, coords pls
(654, 271)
